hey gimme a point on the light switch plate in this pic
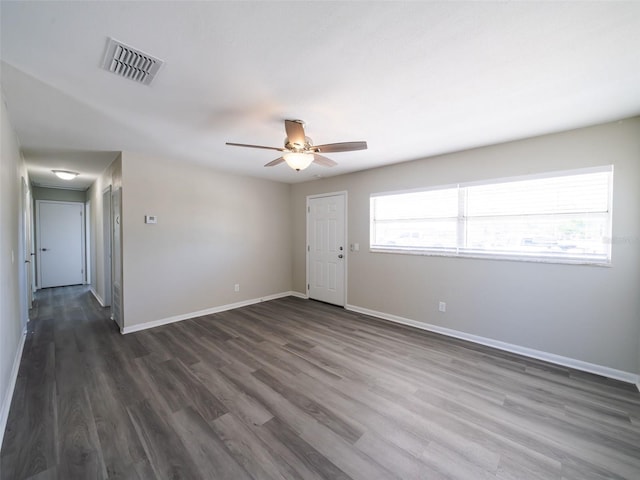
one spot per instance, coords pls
(150, 219)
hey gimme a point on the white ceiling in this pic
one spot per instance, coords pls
(413, 79)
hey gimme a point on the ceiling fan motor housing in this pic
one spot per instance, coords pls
(297, 147)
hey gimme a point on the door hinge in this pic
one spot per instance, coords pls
(308, 287)
(308, 209)
(308, 248)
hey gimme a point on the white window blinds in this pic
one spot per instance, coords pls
(564, 216)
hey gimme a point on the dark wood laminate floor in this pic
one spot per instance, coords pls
(296, 389)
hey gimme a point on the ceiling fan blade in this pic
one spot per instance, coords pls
(324, 161)
(340, 147)
(275, 162)
(256, 146)
(295, 132)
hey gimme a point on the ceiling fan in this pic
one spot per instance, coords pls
(299, 150)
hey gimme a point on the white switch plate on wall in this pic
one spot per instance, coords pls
(150, 219)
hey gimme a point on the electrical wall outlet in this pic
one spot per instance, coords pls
(442, 306)
(236, 287)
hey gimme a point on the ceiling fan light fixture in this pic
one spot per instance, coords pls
(300, 151)
(298, 161)
(65, 174)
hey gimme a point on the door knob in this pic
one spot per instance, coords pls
(44, 249)
(340, 256)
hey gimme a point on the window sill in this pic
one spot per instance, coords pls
(487, 256)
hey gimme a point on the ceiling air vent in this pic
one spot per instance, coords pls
(130, 63)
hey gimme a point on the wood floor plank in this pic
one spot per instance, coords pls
(361, 414)
(206, 327)
(207, 450)
(30, 445)
(297, 389)
(346, 429)
(262, 460)
(513, 466)
(80, 454)
(119, 442)
(204, 347)
(48, 474)
(178, 387)
(167, 455)
(176, 344)
(451, 464)
(394, 458)
(344, 455)
(307, 454)
(235, 400)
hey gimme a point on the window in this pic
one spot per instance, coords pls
(562, 216)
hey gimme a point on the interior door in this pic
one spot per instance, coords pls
(326, 248)
(60, 247)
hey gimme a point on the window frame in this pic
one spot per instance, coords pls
(463, 251)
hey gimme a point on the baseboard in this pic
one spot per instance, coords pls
(6, 402)
(208, 311)
(98, 298)
(527, 352)
(299, 295)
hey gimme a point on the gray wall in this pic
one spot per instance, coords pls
(58, 194)
(214, 230)
(581, 312)
(12, 170)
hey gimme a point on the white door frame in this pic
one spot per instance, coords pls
(38, 239)
(107, 249)
(343, 193)
(87, 242)
(117, 304)
(24, 253)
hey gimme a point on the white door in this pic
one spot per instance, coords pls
(60, 249)
(326, 250)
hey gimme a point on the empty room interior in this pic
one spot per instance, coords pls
(320, 240)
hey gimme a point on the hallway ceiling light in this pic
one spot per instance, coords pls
(65, 174)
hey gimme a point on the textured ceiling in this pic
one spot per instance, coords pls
(413, 79)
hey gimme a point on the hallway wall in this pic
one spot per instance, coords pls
(12, 170)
